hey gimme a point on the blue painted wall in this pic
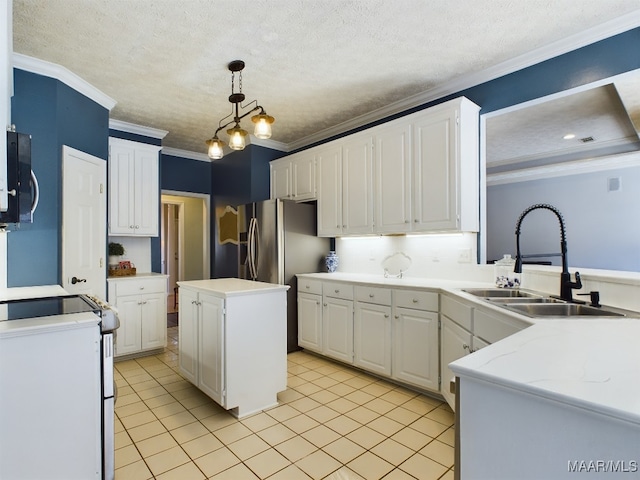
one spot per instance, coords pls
(54, 115)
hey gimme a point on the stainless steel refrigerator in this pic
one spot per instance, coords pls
(277, 240)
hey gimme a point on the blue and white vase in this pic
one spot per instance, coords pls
(331, 261)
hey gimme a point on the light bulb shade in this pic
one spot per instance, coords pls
(237, 137)
(263, 125)
(216, 147)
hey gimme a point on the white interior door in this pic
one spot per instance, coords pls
(84, 223)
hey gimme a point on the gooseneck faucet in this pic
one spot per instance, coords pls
(566, 285)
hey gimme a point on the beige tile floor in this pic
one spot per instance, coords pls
(333, 422)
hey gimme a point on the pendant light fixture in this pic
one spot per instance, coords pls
(237, 135)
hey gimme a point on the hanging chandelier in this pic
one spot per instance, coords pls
(237, 134)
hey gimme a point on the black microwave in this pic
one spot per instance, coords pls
(22, 186)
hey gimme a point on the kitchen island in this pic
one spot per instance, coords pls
(233, 341)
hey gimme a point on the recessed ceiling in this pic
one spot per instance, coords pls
(311, 64)
(596, 120)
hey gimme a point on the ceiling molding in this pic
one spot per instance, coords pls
(176, 152)
(53, 70)
(268, 143)
(137, 129)
(592, 35)
(563, 169)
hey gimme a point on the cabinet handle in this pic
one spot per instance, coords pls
(466, 347)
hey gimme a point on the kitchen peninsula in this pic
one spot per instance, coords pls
(232, 342)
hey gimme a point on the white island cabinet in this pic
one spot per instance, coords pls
(233, 341)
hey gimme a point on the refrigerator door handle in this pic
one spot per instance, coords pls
(251, 247)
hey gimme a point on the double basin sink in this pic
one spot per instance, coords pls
(537, 305)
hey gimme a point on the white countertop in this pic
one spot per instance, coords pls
(591, 363)
(34, 326)
(137, 276)
(233, 286)
(19, 293)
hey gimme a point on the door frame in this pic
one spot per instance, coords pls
(206, 221)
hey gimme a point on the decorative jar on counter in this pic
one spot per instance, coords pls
(331, 261)
(505, 276)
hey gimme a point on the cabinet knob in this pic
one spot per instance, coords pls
(407, 221)
(132, 226)
(344, 226)
(397, 316)
(307, 287)
(386, 315)
(466, 347)
(337, 291)
(416, 220)
(371, 295)
(415, 300)
(324, 304)
(317, 302)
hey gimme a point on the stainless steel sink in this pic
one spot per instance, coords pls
(560, 310)
(499, 293)
(511, 300)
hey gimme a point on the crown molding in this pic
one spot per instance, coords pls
(563, 169)
(137, 129)
(573, 42)
(176, 152)
(52, 70)
(268, 143)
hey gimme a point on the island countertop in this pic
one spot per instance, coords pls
(232, 286)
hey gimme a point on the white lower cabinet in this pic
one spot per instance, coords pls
(372, 337)
(202, 351)
(337, 326)
(142, 309)
(310, 321)
(232, 342)
(455, 343)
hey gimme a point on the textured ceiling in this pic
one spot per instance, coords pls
(311, 64)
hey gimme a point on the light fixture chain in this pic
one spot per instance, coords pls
(240, 80)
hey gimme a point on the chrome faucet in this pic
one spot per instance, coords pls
(566, 285)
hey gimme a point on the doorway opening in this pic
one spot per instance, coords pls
(185, 246)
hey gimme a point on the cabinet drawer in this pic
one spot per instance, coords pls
(492, 326)
(380, 296)
(309, 285)
(416, 300)
(456, 311)
(139, 285)
(337, 290)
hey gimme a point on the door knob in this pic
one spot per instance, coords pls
(75, 280)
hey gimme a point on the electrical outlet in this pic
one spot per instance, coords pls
(464, 255)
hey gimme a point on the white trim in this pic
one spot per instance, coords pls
(133, 144)
(176, 152)
(137, 129)
(268, 143)
(568, 168)
(52, 70)
(592, 35)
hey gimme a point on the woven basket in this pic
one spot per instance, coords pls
(122, 272)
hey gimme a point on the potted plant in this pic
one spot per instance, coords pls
(116, 250)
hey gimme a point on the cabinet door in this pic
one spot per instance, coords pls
(188, 334)
(372, 337)
(121, 199)
(310, 321)
(435, 177)
(146, 192)
(392, 173)
(329, 191)
(337, 329)
(211, 347)
(281, 179)
(357, 182)
(128, 338)
(304, 177)
(416, 359)
(454, 344)
(154, 321)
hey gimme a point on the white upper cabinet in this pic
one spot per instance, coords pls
(357, 180)
(133, 188)
(330, 190)
(445, 150)
(392, 174)
(418, 173)
(294, 177)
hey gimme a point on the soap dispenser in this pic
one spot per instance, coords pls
(505, 276)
